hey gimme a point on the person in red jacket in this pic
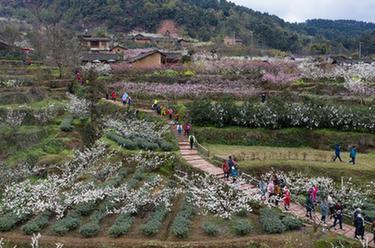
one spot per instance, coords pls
(226, 170)
(287, 198)
(113, 95)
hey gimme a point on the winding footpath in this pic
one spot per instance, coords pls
(195, 160)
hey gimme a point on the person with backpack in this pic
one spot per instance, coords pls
(338, 215)
(192, 141)
(226, 170)
(353, 154)
(337, 153)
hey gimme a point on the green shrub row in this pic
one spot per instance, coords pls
(270, 220)
(121, 225)
(67, 224)
(152, 226)
(242, 227)
(10, 220)
(273, 221)
(211, 229)
(90, 229)
(291, 222)
(181, 224)
(117, 180)
(322, 139)
(140, 143)
(85, 208)
(66, 124)
(37, 224)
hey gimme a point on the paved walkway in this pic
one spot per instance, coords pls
(195, 160)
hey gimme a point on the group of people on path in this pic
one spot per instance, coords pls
(125, 98)
(230, 169)
(275, 191)
(174, 116)
(352, 154)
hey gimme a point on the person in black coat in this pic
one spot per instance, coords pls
(359, 224)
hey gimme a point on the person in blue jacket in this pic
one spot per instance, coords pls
(353, 154)
(337, 153)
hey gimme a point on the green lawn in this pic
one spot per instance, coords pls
(257, 160)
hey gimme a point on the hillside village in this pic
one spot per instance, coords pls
(194, 123)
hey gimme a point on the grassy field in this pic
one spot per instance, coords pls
(257, 160)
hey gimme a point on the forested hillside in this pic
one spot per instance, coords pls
(201, 19)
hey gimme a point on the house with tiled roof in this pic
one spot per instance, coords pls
(144, 58)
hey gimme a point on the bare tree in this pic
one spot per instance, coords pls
(55, 43)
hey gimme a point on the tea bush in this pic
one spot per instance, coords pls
(152, 226)
(210, 229)
(9, 221)
(66, 124)
(242, 227)
(121, 226)
(270, 220)
(66, 224)
(181, 224)
(37, 224)
(90, 229)
(292, 223)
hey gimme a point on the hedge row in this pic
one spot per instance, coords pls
(67, 224)
(211, 229)
(121, 225)
(273, 221)
(242, 227)
(140, 143)
(322, 139)
(10, 220)
(66, 124)
(152, 226)
(37, 224)
(181, 224)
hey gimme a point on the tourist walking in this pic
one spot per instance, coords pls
(262, 185)
(192, 141)
(331, 204)
(309, 205)
(353, 154)
(226, 170)
(359, 224)
(324, 210)
(270, 190)
(124, 98)
(187, 129)
(287, 198)
(315, 191)
(179, 129)
(113, 95)
(155, 104)
(339, 211)
(234, 172)
(337, 153)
